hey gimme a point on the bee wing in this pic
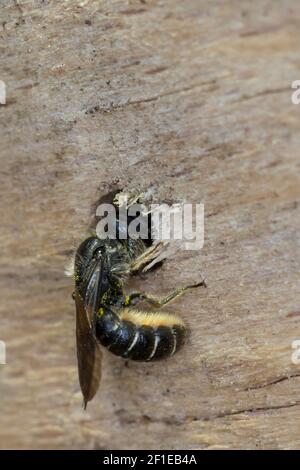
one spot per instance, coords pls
(89, 355)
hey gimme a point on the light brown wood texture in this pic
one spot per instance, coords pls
(193, 99)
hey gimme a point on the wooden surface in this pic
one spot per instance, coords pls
(192, 99)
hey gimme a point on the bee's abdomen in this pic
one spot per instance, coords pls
(128, 336)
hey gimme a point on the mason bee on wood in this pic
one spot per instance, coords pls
(106, 316)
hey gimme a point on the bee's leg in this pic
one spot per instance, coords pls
(145, 260)
(157, 302)
(135, 297)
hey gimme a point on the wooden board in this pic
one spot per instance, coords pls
(193, 100)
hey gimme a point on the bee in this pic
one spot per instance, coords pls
(107, 317)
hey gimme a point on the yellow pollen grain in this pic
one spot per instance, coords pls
(101, 312)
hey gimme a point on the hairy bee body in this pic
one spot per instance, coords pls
(125, 331)
(106, 316)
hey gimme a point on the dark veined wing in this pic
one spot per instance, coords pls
(89, 355)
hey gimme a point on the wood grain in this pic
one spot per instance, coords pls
(193, 100)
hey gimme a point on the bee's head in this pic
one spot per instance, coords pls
(89, 251)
